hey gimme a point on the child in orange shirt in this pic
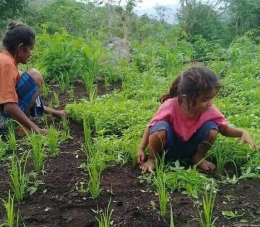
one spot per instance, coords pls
(20, 92)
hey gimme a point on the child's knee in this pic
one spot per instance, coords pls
(212, 135)
(159, 135)
(36, 75)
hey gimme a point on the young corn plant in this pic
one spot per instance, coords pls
(37, 141)
(11, 138)
(87, 130)
(105, 216)
(18, 175)
(45, 90)
(92, 93)
(222, 157)
(95, 166)
(95, 162)
(53, 140)
(3, 147)
(160, 183)
(172, 219)
(12, 217)
(56, 99)
(71, 93)
(64, 129)
(208, 201)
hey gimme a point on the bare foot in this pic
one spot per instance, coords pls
(202, 163)
(149, 165)
(206, 165)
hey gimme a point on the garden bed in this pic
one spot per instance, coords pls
(60, 202)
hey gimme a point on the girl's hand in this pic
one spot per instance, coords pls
(247, 138)
(140, 156)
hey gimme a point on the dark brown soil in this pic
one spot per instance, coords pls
(58, 202)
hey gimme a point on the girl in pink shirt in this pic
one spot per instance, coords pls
(187, 123)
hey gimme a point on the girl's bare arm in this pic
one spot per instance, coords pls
(142, 146)
(230, 131)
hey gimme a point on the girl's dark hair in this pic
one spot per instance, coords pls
(192, 83)
(16, 34)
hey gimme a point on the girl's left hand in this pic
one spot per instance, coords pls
(247, 138)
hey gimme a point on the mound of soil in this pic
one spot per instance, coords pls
(59, 202)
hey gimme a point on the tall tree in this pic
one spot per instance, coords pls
(197, 17)
(243, 15)
(11, 10)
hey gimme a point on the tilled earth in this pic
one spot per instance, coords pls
(59, 203)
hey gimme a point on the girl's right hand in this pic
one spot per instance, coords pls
(140, 156)
(247, 138)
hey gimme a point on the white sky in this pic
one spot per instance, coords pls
(151, 3)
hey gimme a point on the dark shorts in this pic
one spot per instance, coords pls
(25, 89)
(176, 148)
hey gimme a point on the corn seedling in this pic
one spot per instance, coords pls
(172, 219)
(92, 93)
(51, 104)
(56, 99)
(71, 93)
(95, 162)
(222, 157)
(12, 217)
(87, 130)
(53, 139)
(64, 81)
(105, 216)
(208, 201)
(37, 141)
(3, 147)
(18, 176)
(45, 90)
(88, 81)
(11, 138)
(95, 166)
(65, 127)
(160, 183)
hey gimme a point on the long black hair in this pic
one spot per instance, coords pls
(192, 83)
(16, 34)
